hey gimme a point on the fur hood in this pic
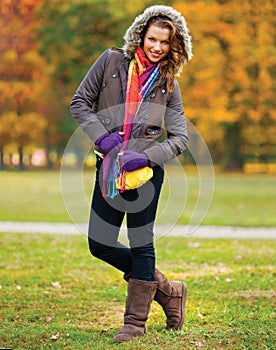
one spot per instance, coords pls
(132, 36)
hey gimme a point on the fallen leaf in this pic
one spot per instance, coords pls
(48, 319)
(194, 244)
(56, 285)
(199, 344)
(55, 336)
(228, 280)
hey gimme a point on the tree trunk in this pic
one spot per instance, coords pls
(232, 159)
(21, 164)
(2, 165)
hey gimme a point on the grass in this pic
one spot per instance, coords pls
(238, 199)
(54, 295)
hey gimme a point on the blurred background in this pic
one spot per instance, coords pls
(228, 88)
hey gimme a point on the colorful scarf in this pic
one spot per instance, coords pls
(141, 76)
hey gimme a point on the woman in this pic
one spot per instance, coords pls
(125, 99)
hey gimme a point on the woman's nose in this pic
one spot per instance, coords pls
(157, 46)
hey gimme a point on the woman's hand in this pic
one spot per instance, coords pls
(131, 160)
(110, 143)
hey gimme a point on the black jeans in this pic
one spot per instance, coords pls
(106, 218)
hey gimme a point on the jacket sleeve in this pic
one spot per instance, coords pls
(86, 96)
(176, 128)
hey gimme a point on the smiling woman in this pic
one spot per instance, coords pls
(138, 84)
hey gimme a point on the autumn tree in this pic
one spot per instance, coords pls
(23, 77)
(230, 83)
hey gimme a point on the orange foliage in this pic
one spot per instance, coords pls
(23, 74)
(232, 75)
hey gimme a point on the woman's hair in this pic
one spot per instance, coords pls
(172, 63)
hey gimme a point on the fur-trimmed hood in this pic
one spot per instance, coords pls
(132, 36)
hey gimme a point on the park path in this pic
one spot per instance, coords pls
(165, 230)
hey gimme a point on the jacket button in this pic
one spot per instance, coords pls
(114, 75)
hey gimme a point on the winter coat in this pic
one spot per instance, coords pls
(98, 104)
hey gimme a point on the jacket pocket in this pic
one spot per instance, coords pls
(152, 132)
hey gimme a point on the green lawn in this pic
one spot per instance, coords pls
(54, 295)
(238, 200)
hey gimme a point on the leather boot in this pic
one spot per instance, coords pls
(171, 295)
(138, 302)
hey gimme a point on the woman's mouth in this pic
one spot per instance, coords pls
(155, 54)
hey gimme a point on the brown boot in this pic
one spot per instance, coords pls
(171, 295)
(139, 299)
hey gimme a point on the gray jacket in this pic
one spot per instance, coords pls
(98, 104)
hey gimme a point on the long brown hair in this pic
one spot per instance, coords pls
(172, 63)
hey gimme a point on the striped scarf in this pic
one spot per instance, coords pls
(141, 76)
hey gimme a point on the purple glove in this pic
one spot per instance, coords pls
(131, 160)
(110, 142)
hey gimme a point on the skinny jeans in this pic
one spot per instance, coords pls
(106, 217)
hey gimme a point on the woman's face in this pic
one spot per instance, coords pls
(156, 43)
